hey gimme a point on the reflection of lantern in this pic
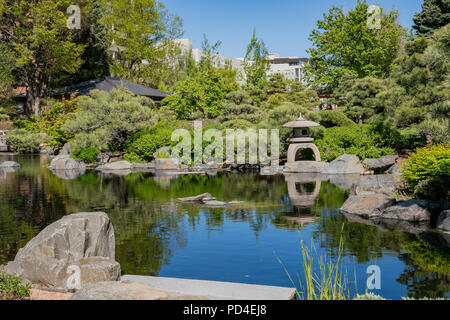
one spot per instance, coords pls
(301, 138)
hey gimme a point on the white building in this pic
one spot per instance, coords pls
(289, 67)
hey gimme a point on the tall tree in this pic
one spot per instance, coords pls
(141, 33)
(256, 62)
(434, 15)
(344, 43)
(96, 58)
(42, 45)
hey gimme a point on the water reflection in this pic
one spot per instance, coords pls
(156, 235)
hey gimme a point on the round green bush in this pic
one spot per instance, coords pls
(23, 141)
(87, 155)
(423, 165)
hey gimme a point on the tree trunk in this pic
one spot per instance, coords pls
(33, 102)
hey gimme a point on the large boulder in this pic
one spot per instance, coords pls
(412, 211)
(82, 241)
(167, 164)
(65, 162)
(380, 164)
(376, 184)
(367, 206)
(127, 290)
(9, 164)
(66, 150)
(443, 221)
(345, 164)
(306, 167)
(116, 166)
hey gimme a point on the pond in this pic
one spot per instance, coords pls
(257, 242)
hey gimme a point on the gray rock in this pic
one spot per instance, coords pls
(345, 164)
(412, 211)
(69, 174)
(271, 170)
(343, 181)
(198, 198)
(48, 150)
(127, 290)
(66, 150)
(115, 166)
(376, 184)
(167, 164)
(104, 157)
(443, 221)
(143, 166)
(214, 203)
(9, 164)
(367, 206)
(306, 167)
(380, 164)
(65, 162)
(98, 269)
(73, 240)
(396, 170)
(235, 202)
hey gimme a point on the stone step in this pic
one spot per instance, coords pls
(215, 290)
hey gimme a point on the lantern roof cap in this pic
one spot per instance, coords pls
(301, 123)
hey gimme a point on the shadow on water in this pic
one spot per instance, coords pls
(157, 235)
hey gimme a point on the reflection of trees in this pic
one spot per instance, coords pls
(150, 225)
(427, 272)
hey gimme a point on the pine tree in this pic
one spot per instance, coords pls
(435, 14)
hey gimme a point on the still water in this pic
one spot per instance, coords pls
(249, 243)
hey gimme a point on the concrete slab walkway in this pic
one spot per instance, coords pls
(216, 290)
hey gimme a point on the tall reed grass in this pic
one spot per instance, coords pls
(325, 278)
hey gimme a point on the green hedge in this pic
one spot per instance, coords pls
(360, 140)
(427, 172)
(23, 141)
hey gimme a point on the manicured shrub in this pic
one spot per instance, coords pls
(355, 139)
(11, 288)
(145, 143)
(107, 120)
(87, 155)
(433, 188)
(23, 141)
(427, 169)
(330, 118)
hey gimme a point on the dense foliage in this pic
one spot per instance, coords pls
(434, 15)
(107, 120)
(427, 172)
(23, 141)
(354, 139)
(12, 288)
(344, 43)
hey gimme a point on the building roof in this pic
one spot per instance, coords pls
(301, 123)
(109, 83)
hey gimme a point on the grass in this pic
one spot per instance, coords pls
(11, 288)
(325, 278)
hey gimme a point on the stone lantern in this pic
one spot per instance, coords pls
(302, 140)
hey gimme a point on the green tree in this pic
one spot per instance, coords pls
(434, 15)
(107, 120)
(141, 34)
(204, 88)
(343, 43)
(93, 34)
(256, 62)
(42, 46)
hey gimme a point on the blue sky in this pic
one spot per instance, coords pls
(284, 25)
